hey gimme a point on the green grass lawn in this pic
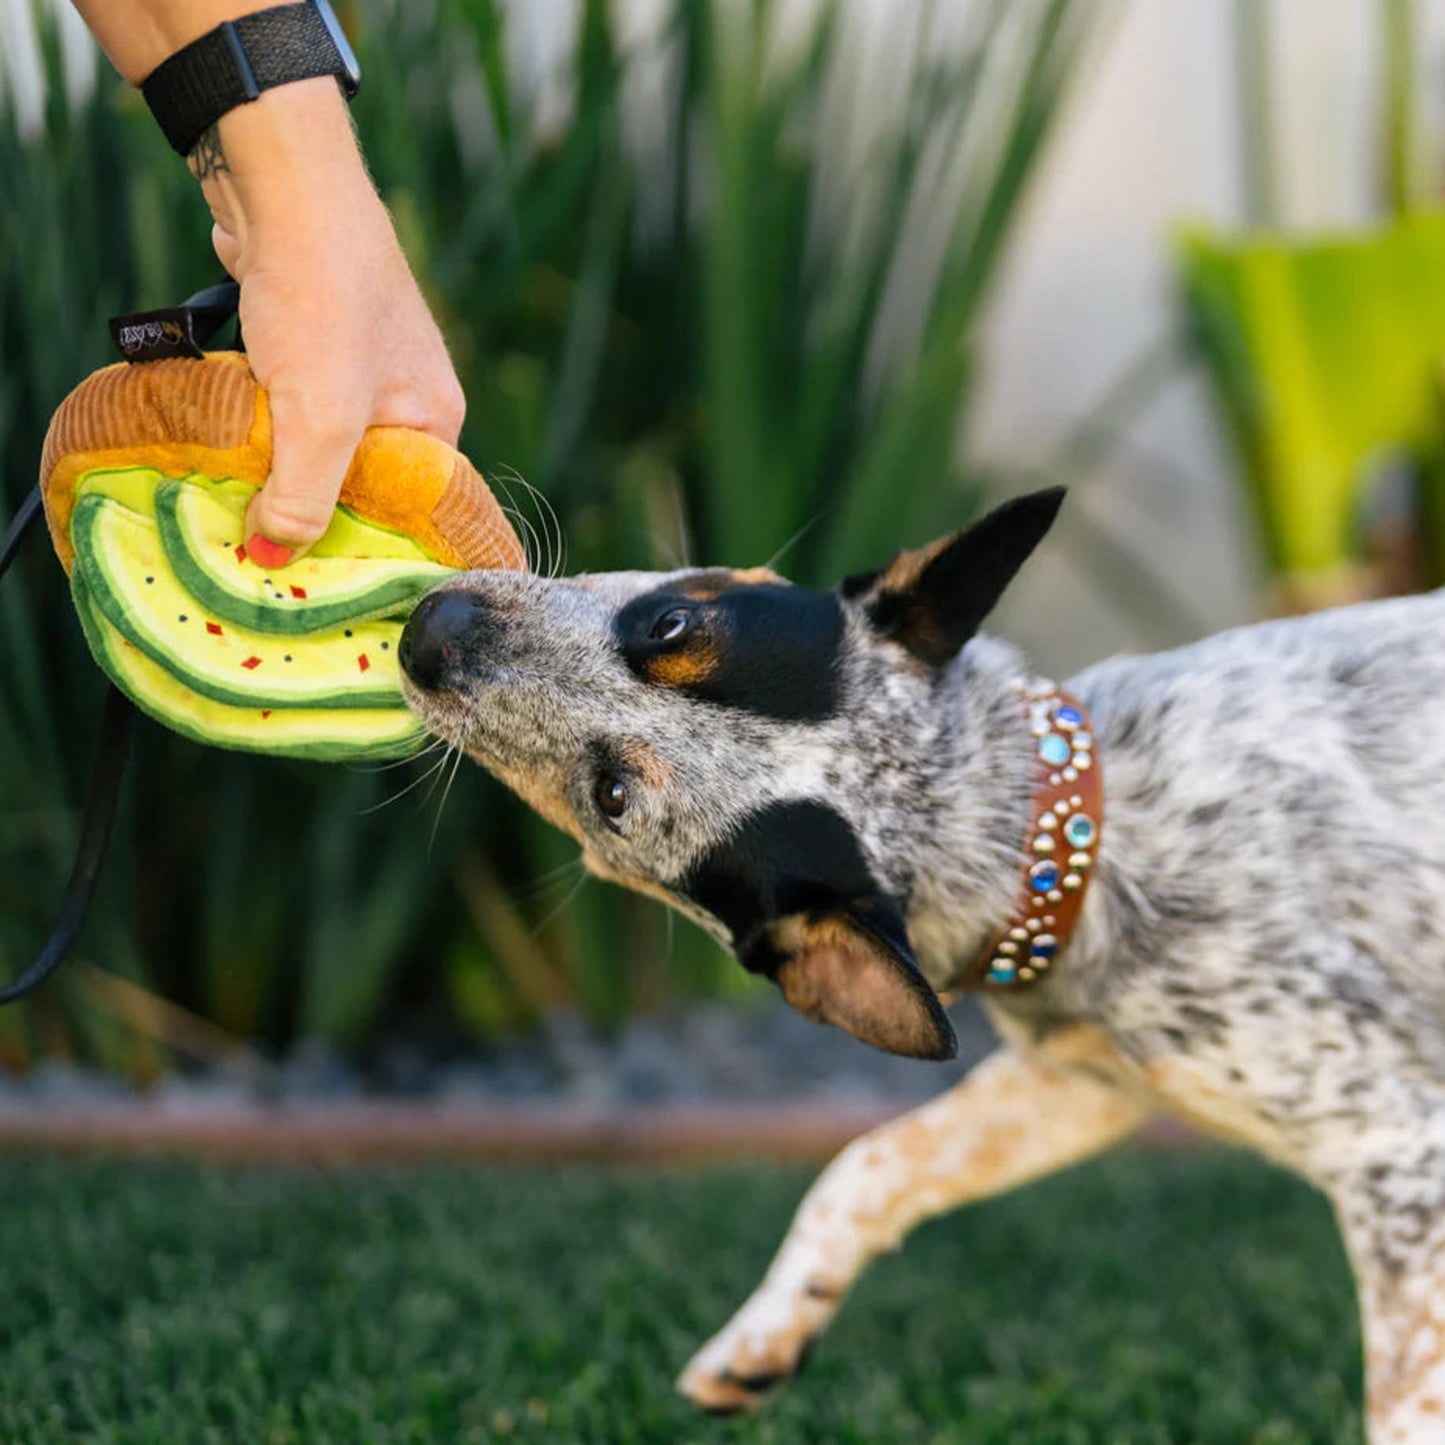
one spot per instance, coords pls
(1148, 1298)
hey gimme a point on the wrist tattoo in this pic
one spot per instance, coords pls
(209, 158)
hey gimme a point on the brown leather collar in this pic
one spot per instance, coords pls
(1060, 848)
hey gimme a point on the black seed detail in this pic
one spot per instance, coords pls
(348, 632)
(149, 580)
(287, 658)
(386, 647)
(184, 618)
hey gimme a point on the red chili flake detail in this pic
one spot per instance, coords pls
(241, 552)
(266, 714)
(214, 628)
(251, 664)
(299, 592)
(363, 662)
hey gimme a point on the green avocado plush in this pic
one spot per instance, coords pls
(148, 473)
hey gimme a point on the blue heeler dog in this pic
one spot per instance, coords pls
(873, 804)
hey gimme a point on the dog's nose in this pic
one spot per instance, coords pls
(438, 631)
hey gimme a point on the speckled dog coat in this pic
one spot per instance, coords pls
(837, 786)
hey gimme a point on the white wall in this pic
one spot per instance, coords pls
(1152, 140)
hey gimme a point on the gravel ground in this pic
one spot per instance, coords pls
(699, 1055)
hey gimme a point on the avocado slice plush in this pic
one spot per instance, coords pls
(160, 580)
(146, 603)
(321, 734)
(352, 580)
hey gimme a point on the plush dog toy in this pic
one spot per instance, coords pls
(146, 475)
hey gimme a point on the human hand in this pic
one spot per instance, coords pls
(336, 329)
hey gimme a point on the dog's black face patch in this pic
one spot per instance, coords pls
(794, 890)
(795, 857)
(762, 646)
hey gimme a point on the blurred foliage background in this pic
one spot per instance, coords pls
(1325, 352)
(715, 277)
(703, 314)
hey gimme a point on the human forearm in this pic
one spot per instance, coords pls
(276, 152)
(139, 34)
(337, 331)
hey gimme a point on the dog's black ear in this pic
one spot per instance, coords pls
(933, 600)
(853, 968)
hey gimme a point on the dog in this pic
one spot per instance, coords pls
(843, 787)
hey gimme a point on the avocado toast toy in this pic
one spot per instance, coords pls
(146, 476)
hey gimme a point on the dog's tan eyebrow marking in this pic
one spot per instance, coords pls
(643, 759)
(686, 667)
(709, 585)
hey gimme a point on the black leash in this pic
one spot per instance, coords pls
(18, 530)
(106, 778)
(178, 331)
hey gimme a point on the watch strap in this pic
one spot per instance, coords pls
(232, 64)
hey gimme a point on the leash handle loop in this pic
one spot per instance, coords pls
(107, 775)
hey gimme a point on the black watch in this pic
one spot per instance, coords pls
(235, 62)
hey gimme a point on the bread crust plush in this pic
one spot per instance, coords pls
(209, 415)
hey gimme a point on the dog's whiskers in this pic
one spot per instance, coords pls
(556, 545)
(564, 903)
(553, 536)
(456, 755)
(531, 543)
(416, 782)
(548, 549)
(793, 541)
(553, 878)
(395, 763)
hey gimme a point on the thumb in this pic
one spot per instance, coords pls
(312, 448)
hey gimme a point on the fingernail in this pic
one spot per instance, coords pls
(266, 553)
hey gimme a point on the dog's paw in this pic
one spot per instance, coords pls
(763, 1345)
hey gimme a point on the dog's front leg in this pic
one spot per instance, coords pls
(1392, 1215)
(1014, 1118)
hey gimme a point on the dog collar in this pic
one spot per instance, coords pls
(1060, 846)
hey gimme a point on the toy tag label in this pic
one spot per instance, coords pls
(178, 330)
(156, 335)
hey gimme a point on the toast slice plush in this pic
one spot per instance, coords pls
(146, 475)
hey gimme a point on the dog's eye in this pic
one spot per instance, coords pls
(610, 793)
(671, 625)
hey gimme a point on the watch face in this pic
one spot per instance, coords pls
(351, 77)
